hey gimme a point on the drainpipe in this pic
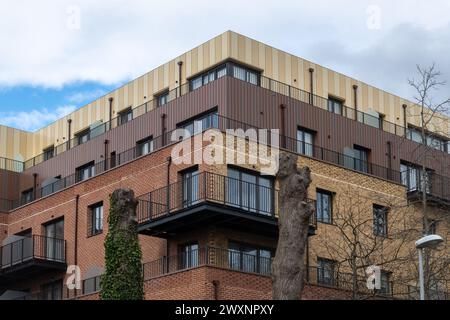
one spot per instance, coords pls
(215, 284)
(405, 124)
(180, 64)
(75, 249)
(105, 154)
(355, 97)
(163, 128)
(389, 155)
(282, 125)
(169, 163)
(69, 134)
(110, 110)
(311, 83)
(34, 185)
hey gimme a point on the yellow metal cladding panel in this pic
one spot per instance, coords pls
(276, 64)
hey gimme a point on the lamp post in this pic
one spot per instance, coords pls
(431, 241)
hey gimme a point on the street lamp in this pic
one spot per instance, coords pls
(431, 241)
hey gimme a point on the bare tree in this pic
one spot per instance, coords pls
(358, 238)
(288, 268)
(433, 123)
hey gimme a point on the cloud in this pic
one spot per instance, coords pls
(389, 62)
(85, 96)
(33, 119)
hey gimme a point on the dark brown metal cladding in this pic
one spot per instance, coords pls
(250, 104)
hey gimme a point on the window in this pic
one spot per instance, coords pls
(162, 98)
(83, 136)
(54, 240)
(190, 185)
(85, 172)
(207, 77)
(335, 105)
(125, 116)
(144, 147)
(324, 205)
(113, 160)
(411, 176)
(49, 153)
(52, 290)
(356, 158)
(27, 196)
(249, 258)
(188, 256)
(305, 141)
(249, 191)
(385, 285)
(326, 271)
(432, 226)
(433, 141)
(201, 123)
(380, 220)
(95, 221)
(245, 74)
(91, 285)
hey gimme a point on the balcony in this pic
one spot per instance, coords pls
(210, 199)
(30, 256)
(436, 186)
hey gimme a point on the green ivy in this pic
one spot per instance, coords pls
(123, 278)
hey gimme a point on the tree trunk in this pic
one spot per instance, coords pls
(288, 268)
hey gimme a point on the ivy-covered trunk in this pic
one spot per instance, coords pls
(123, 278)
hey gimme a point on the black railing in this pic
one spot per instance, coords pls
(435, 185)
(34, 247)
(11, 165)
(208, 256)
(224, 123)
(209, 187)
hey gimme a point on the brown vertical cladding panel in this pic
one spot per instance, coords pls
(125, 136)
(334, 132)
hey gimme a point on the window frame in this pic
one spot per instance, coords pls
(48, 151)
(332, 102)
(126, 114)
(303, 143)
(79, 171)
(92, 226)
(379, 209)
(27, 196)
(83, 133)
(162, 98)
(331, 195)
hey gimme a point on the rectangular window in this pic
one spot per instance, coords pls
(200, 123)
(305, 140)
(125, 116)
(49, 153)
(249, 191)
(83, 136)
(380, 220)
(53, 243)
(246, 75)
(432, 226)
(85, 171)
(144, 147)
(190, 185)
(356, 158)
(326, 271)
(52, 290)
(188, 256)
(91, 285)
(411, 176)
(335, 105)
(95, 225)
(249, 258)
(27, 196)
(385, 287)
(324, 205)
(162, 98)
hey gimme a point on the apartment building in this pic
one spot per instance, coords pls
(209, 231)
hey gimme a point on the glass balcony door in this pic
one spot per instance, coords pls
(54, 241)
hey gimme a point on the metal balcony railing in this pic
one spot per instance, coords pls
(11, 165)
(32, 248)
(210, 187)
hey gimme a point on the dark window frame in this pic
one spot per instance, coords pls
(79, 170)
(188, 259)
(141, 143)
(162, 98)
(27, 196)
(380, 230)
(83, 133)
(123, 116)
(48, 153)
(303, 144)
(332, 102)
(322, 263)
(92, 218)
(331, 196)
